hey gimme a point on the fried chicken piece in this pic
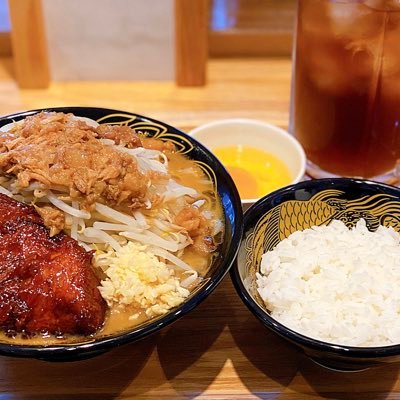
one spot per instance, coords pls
(198, 228)
(11, 210)
(190, 218)
(47, 284)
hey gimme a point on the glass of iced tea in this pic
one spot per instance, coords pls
(345, 102)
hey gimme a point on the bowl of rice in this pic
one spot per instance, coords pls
(319, 266)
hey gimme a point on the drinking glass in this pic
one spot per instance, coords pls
(345, 100)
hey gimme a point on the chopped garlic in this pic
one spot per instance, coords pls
(136, 277)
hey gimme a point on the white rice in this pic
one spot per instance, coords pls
(337, 285)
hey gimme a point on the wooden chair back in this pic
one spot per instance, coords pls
(29, 46)
(28, 41)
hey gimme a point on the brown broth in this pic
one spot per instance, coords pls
(187, 173)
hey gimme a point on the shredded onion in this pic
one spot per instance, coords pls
(140, 218)
(199, 203)
(88, 121)
(189, 280)
(5, 191)
(105, 237)
(10, 126)
(115, 215)
(85, 246)
(152, 239)
(218, 227)
(175, 190)
(166, 226)
(147, 159)
(65, 207)
(173, 259)
(107, 226)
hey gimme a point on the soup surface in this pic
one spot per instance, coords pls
(149, 216)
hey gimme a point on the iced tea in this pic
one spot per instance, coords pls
(345, 106)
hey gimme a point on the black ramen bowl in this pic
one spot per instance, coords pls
(298, 207)
(231, 206)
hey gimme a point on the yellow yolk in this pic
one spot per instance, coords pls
(255, 172)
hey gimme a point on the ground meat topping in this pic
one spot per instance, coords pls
(61, 151)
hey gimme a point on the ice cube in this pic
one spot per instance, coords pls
(362, 64)
(325, 69)
(355, 20)
(383, 5)
(390, 88)
(391, 60)
(314, 17)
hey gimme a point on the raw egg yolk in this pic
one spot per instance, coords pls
(255, 172)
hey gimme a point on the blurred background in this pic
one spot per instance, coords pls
(251, 27)
(101, 39)
(102, 52)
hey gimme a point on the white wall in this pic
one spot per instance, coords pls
(110, 39)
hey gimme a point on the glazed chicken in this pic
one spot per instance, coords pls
(47, 284)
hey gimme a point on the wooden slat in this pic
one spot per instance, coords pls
(255, 43)
(191, 47)
(29, 43)
(5, 44)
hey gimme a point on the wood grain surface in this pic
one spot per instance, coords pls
(191, 42)
(218, 351)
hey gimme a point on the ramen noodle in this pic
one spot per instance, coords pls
(149, 215)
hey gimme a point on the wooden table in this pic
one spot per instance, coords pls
(219, 351)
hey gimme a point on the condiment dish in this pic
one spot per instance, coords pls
(258, 135)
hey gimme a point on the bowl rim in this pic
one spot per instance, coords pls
(105, 343)
(279, 328)
(273, 128)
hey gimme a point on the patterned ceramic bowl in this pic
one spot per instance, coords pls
(231, 205)
(301, 206)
